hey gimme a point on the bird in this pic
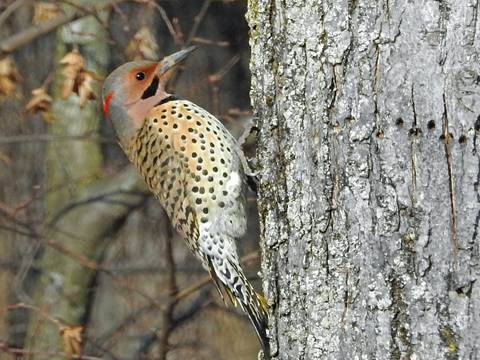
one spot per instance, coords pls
(193, 166)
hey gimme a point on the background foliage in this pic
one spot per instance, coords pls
(88, 261)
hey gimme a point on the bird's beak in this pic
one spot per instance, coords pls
(170, 61)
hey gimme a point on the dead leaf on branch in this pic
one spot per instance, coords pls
(73, 59)
(72, 340)
(142, 46)
(73, 64)
(77, 79)
(43, 11)
(9, 77)
(84, 87)
(5, 159)
(40, 102)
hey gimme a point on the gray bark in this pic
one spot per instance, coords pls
(369, 169)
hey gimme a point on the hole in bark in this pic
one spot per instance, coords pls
(350, 119)
(443, 138)
(462, 139)
(431, 125)
(380, 134)
(270, 101)
(464, 289)
(399, 122)
(415, 131)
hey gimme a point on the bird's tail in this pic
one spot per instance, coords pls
(229, 274)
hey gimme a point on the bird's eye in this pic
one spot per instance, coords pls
(140, 76)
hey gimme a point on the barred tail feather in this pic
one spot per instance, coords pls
(240, 291)
(259, 319)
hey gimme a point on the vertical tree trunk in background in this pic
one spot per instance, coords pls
(369, 169)
(62, 287)
(20, 175)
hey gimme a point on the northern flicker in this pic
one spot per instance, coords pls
(192, 165)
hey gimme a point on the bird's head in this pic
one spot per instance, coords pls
(133, 89)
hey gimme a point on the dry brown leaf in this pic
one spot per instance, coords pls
(94, 75)
(143, 45)
(7, 86)
(40, 102)
(73, 58)
(9, 77)
(85, 88)
(72, 340)
(5, 159)
(77, 79)
(43, 11)
(73, 64)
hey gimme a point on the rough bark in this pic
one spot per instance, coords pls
(369, 170)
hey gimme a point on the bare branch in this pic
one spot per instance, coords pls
(15, 352)
(14, 139)
(197, 21)
(26, 36)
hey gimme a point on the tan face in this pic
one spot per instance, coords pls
(134, 82)
(136, 88)
(138, 81)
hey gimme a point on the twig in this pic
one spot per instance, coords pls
(9, 214)
(9, 10)
(197, 21)
(4, 140)
(119, 11)
(193, 32)
(224, 70)
(216, 77)
(202, 301)
(39, 311)
(168, 23)
(15, 352)
(106, 338)
(206, 280)
(200, 40)
(13, 212)
(106, 198)
(22, 38)
(86, 11)
(26, 36)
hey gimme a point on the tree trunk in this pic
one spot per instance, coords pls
(21, 172)
(81, 209)
(369, 170)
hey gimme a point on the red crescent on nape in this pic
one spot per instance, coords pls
(106, 103)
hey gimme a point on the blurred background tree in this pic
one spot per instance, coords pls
(87, 257)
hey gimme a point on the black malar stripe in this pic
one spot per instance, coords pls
(152, 88)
